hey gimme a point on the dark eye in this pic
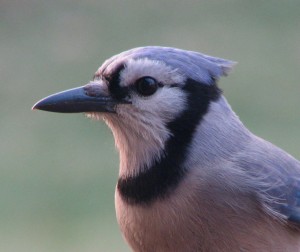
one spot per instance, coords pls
(146, 86)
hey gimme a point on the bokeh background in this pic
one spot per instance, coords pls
(58, 172)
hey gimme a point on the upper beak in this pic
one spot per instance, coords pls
(89, 98)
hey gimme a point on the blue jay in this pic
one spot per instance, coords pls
(192, 177)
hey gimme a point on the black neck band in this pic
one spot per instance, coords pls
(166, 173)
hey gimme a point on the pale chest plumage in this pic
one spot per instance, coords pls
(189, 221)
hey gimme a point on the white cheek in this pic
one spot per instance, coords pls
(165, 105)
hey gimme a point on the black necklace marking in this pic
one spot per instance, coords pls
(165, 174)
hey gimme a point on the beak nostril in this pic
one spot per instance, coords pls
(94, 90)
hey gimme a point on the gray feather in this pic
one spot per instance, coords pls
(275, 175)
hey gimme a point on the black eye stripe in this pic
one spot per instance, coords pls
(113, 79)
(147, 85)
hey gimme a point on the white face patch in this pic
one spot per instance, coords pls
(136, 69)
(140, 128)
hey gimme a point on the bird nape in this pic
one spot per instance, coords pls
(192, 176)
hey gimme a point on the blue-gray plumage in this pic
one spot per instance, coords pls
(197, 66)
(192, 177)
(276, 176)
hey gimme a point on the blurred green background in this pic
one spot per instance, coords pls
(58, 172)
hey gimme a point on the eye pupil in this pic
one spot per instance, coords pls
(146, 86)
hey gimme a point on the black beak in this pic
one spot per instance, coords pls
(89, 98)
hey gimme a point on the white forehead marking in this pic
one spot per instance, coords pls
(137, 68)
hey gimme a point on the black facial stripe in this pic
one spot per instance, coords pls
(114, 87)
(166, 173)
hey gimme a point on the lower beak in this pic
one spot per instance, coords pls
(87, 98)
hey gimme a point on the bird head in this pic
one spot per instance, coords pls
(151, 97)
